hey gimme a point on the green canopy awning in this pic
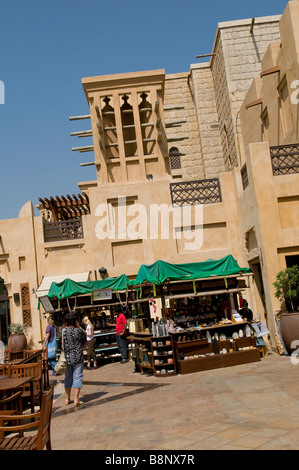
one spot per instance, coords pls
(67, 288)
(161, 271)
(155, 273)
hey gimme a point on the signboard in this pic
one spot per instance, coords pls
(236, 317)
(47, 304)
(102, 294)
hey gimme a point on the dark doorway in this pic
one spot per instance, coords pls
(258, 279)
(4, 313)
(292, 260)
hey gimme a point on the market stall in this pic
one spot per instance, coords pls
(199, 305)
(194, 306)
(96, 299)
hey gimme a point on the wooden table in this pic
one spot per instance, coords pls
(13, 383)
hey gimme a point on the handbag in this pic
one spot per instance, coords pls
(52, 347)
(61, 365)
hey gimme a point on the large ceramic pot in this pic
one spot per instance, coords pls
(289, 327)
(17, 342)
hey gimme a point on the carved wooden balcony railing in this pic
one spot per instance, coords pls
(63, 230)
(196, 192)
(285, 159)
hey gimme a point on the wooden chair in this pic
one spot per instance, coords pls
(3, 369)
(37, 441)
(11, 405)
(13, 356)
(13, 402)
(34, 370)
(27, 353)
(39, 354)
(45, 368)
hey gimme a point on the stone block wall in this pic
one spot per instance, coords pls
(179, 106)
(207, 116)
(237, 62)
(209, 97)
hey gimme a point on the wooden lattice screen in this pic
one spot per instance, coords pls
(25, 303)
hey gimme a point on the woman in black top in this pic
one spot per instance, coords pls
(73, 337)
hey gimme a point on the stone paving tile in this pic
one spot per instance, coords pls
(253, 406)
(250, 442)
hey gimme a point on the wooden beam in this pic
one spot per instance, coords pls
(88, 148)
(252, 25)
(254, 103)
(76, 202)
(76, 118)
(81, 198)
(81, 133)
(58, 201)
(70, 199)
(98, 112)
(87, 164)
(66, 202)
(42, 202)
(205, 55)
(86, 198)
(270, 71)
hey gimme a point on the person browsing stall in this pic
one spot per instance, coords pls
(73, 343)
(91, 342)
(50, 343)
(121, 335)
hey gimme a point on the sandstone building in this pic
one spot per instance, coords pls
(223, 135)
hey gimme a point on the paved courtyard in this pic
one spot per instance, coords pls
(252, 406)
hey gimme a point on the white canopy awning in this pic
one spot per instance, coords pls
(45, 285)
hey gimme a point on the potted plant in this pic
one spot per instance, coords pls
(17, 340)
(287, 291)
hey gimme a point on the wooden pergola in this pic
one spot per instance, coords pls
(66, 208)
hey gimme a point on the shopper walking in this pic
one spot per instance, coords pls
(50, 343)
(91, 342)
(73, 343)
(121, 335)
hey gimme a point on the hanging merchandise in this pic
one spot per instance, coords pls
(68, 304)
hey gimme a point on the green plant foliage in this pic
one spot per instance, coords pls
(17, 328)
(287, 285)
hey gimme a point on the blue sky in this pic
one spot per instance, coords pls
(47, 46)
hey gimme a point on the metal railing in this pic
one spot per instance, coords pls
(63, 230)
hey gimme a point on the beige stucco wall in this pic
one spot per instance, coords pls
(18, 264)
(283, 117)
(255, 225)
(236, 63)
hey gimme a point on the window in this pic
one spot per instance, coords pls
(285, 107)
(265, 124)
(25, 302)
(175, 158)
